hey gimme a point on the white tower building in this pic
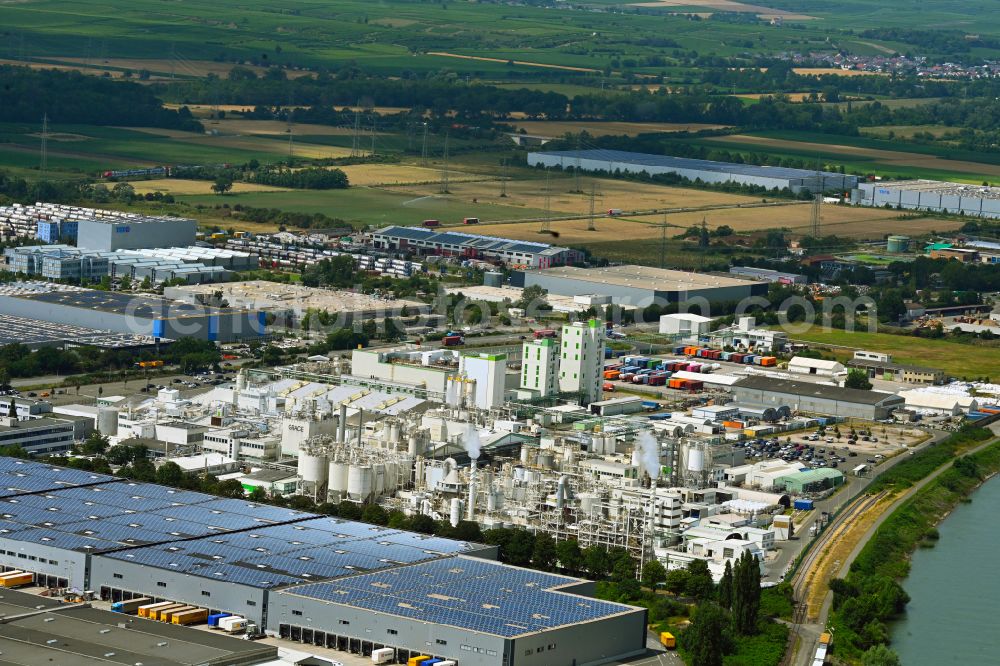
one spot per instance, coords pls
(540, 367)
(582, 359)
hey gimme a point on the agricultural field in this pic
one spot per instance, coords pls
(961, 360)
(180, 186)
(75, 150)
(530, 194)
(557, 128)
(363, 206)
(866, 154)
(905, 131)
(485, 40)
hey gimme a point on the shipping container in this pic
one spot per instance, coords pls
(167, 614)
(769, 361)
(452, 340)
(190, 617)
(733, 424)
(668, 640)
(144, 611)
(157, 613)
(612, 374)
(17, 579)
(129, 606)
(803, 505)
(417, 661)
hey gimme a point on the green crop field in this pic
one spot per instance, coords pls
(960, 360)
(394, 36)
(361, 206)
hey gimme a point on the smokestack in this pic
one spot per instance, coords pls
(342, 436)
(561, 494)
(470, 509)
(361, 424)
(456, 512)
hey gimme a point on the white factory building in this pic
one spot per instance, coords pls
(686, 326)
(707, 171)
(819, 367)
(930, 195)
(746, 335)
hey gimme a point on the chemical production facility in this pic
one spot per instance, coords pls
(931, 195)
(707, 171)
(123, 313)
(307, 577)
(639, 286)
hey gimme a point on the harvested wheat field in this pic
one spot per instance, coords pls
(276, 128)
(556, 128)
(180, 67)
(839, 220)
(250, 143)
(820, 71)
(626, 195)
(83, 69)
(727, 6)
(180, 186)
(574, 232)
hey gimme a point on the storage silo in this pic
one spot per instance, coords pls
(898, 244)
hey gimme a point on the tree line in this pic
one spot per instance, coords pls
(72, 97)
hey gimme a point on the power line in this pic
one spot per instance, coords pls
(44, 165)
(503, 180)
(444, 174)
(547, 221)
(423, 147)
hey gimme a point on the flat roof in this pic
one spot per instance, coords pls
(19, 477)
(823, 391)
(477, 241)
(84, 636)
(118, 303)
(938, 187)
(644, 277)
(472, 594)
(272, 295)
(671, 162)
(890, 365)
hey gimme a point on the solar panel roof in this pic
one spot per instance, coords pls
(473, 594)
(316, 549)
(26, 476)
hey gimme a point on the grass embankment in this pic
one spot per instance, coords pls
(871, 594)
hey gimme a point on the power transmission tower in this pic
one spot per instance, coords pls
(663, 242)
(44, 165)
(444, 174)
(576, 167)
(703, 238)
(357, 128)
(593, 195)
(173, 58)
(817, 200)
(423, 148)
(547, 221)
(373, 134)
(815, 218)
(291, 111)
(503, 181)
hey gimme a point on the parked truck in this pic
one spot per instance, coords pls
(213, 619)
(383, 656)
(233, 624)
(130, 606)
(668, 640)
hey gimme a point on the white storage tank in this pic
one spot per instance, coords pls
(360, 482)
(314, 468)
(696, 460)
(107, 421)
(339, 472)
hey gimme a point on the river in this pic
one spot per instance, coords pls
(955, 590)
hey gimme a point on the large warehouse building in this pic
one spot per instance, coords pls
(816, 398)
(707, 171)
(135, 233)
(123, 313)
(931, 195)
(639, 286)
(311, 578)
(473, 246)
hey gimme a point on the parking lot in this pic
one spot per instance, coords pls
(869, 443)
